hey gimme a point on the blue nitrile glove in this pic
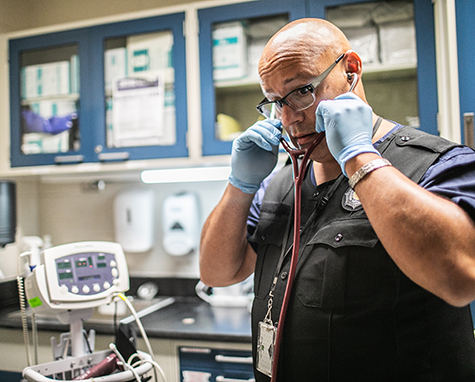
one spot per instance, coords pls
(348, 125)
(254, 155)
(34, 123)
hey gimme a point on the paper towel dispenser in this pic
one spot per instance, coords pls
(180, 223)
(134, 213)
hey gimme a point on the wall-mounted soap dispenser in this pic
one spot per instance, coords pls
(181, 224)
(134, 219)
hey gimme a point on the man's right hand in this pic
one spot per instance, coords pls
(254, 155)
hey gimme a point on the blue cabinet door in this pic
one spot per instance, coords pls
(426, 64)
(90, 144)
(10, 376)
(208, 18)
(172, 24)
(466, 52)
(32, 53)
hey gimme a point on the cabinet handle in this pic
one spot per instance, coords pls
(223, 358)
(104, 157)
(68, 159)
(220, 378)
(468, 129)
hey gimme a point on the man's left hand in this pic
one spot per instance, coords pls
(347, 122)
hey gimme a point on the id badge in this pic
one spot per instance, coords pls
(265, 348)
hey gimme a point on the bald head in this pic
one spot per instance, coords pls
(303, 41)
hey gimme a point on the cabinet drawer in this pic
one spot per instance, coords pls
(220, 365)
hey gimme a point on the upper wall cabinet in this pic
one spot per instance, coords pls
(45, 82)
(231, 39)
(106, 93)
(395, 39)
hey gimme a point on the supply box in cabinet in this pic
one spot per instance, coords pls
(229, 51)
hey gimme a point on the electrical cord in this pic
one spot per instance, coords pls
(139, 323)
(86, 339)
(145, 338)
(24, 319)
(131, 366)
(34, 334)
(123, 363)
(115, 317)
(154, 364)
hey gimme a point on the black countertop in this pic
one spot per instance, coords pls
(192, 318)
(182, 318)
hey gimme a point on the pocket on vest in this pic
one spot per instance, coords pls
(326, 265)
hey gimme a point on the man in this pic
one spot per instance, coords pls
(386, 270)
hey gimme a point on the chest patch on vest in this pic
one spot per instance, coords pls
(350, 200)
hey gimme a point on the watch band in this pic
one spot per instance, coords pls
(366, 169)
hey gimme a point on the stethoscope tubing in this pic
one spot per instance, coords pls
(298, 176)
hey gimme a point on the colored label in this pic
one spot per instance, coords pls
(35, 302)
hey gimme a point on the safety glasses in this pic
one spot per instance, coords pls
(298, 99)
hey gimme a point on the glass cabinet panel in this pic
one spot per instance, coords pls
(237, 47)
(383, 34)
(139, 83)
(49, 93)
(231, 39)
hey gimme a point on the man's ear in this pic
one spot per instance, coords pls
(352, 62)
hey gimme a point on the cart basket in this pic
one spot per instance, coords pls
(72, 367)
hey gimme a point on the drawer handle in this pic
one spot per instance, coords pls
(104, 157)
(220, 378)
(68, 159)
(223, 358)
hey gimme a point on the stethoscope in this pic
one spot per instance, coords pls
(298, 174)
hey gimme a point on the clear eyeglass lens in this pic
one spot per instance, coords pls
(266, 109)
(300, 100)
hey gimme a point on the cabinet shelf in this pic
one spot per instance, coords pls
(251, 83)
(59, 97)
(392, 71)
(370, 71)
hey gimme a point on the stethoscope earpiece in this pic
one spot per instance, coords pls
(353, 77)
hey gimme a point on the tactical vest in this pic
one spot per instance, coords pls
(353, 315)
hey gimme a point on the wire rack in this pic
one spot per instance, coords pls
(72, 367)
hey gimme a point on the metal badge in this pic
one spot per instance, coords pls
(265, 348)
(350, 200)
